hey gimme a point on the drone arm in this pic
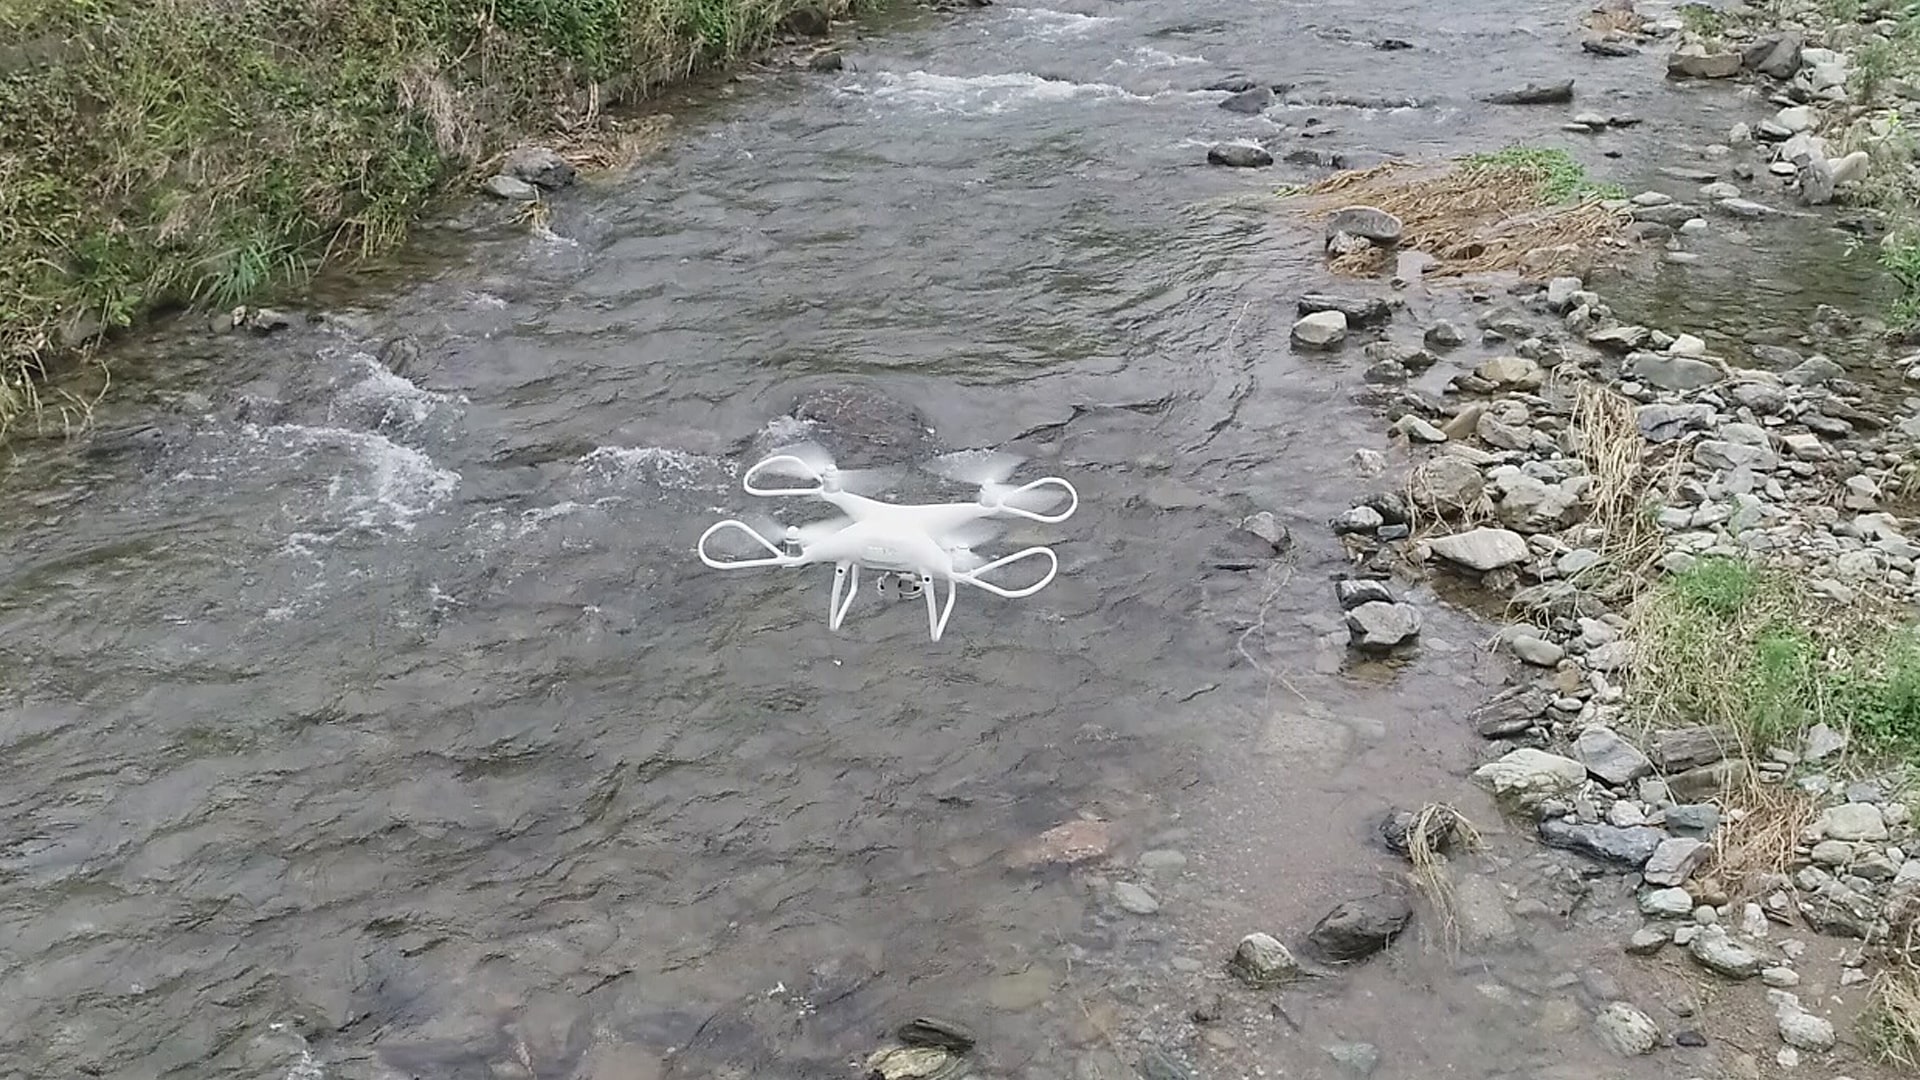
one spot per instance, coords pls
(972, 577)
(819, 483)
(1006, 505)
(778, 557)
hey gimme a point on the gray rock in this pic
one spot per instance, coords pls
(1647, 940)
(1353, 592)
(1482, 549)
(510, 188)
(1378, 625)
(1723, 455)
(1678, 749)
(1251, 101)
(1260, 961)
(1611, 757)
(1534, 94)
(1239, 156)
(1537, 652)
(1822, 742)
(1802, 1030)
(1360, 311)
(1358, 519)
(1780, 978)
(1134, 899)
(1695, 62)
(1626, 848)
(1745, 208)
(1669, 903)
(1417, 429)
(1510, 712)
(540, 166)
(1626, 1030)
(1359, 928)
(1664, 423)
(1675, 860)
(1853, 821)
(1444, 335)
(1355, 1059)
(1680, 373)
(1832, 853)
(1814, 371)
(1716, 951)
(1448, 483)
(1511, 373)
(1693, 819)
(1526, 777)
(1775, 55)
(1321, 330)
(1367, 222)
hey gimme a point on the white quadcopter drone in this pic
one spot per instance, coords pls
(911, 545)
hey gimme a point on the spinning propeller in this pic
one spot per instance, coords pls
(925, 541)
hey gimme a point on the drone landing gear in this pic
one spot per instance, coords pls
(898, 585)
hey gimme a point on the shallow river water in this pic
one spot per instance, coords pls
(367, 713)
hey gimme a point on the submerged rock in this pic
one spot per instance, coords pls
(1257, 99)
(1239, 156)
(1261, 961)
(1359, 928)
(1693, 61)
(1534, 94)
(1381, 625)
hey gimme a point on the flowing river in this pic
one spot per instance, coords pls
(368, 715)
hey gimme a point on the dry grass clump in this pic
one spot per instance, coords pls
(1750, 852)
(1893, 1021)
(1518, 209)
(1611, 446)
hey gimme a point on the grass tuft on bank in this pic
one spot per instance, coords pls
(160, 153)
(1752, 650)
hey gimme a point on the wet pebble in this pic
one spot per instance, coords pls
(1132, 898)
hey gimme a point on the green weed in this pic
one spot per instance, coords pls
(166, 153)
(1561, 178)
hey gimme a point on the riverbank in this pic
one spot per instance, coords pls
(193, 153)
(1703, 556)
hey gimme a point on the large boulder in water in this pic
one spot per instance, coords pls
(860, 426)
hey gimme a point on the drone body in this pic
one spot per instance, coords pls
(925, 542)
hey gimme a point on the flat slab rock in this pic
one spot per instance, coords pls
(1526, 777)
(1482, 549)
(1626, 847)
(1359, 928)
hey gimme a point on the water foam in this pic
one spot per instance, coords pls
(665, 467)
(987, 93)
(1049, 22)
(387, 396)
(1149, 57)
(394, 486)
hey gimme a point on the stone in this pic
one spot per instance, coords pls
(1775, 55)
(1239, 156)
(1359, 928)
(911, 1063)
(1626, 1030)
(1353, 592)
(1261, 961)
(1804, 1031)
(1511, 373)
(1626, 813)
(1534, 94)
(1132, 898)
(1679, 749)
(510, 188)
(1725, 456)
(1448, 483)
(1444, 335)
(1482, 549)
(1369, 223)
(1664, 423)
(1355, 1059)
(1510, 712)
(1358, 519)
(1716, 951)
(1320, 330)
(1611, 757)
(1253, 100)
(1625, 848)
(1678, 373)
(539, 166)
(1853, 821)
(1379, 625)
(1813, 371)
(1675, 860)
(1832, 853)
(1779, 977)
(1360, 311)
(1526, 777)
(1673, 903)
(1534, 651)
(936, 1032)
(1693, 61)
(1647, 940)
(1693, 819)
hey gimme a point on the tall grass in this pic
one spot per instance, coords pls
(156, 153)
(1749, 650)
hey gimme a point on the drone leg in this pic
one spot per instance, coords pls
(936, 619)
(846, 578)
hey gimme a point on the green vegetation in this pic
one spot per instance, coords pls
(1729, 643)
(1703, 20)
(158, 153)
(1561, 179)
